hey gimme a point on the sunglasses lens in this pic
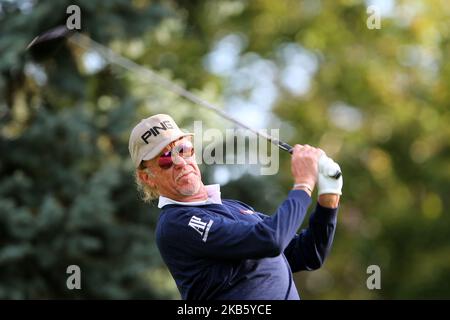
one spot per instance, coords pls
(165, 160)
(184, 150)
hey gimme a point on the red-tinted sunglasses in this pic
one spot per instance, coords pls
(167, 159)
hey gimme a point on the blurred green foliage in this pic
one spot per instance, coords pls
(375, 100)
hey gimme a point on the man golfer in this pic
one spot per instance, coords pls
(223, 249)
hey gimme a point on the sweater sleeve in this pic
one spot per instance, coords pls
(308, 250)
(205, 234)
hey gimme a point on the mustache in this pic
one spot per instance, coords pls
(181, 174)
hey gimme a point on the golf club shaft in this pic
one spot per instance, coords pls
(112, 57)
(108, 54)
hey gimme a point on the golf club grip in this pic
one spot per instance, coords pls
(286, 147)
(289, 148)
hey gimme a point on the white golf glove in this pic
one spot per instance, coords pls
(326, 183)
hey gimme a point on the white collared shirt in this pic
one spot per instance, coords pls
(213, 191)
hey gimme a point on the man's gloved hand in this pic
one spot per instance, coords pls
(327, 184)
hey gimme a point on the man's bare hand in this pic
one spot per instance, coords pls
(304, 164)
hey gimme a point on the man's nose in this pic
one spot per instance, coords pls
(179, 162)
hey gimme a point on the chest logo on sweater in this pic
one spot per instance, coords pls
(201, 227)
(248, 211)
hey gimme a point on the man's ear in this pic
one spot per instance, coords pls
(147, 177)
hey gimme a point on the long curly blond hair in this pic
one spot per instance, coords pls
(146, 192)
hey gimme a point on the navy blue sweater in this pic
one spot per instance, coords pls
(228, 251)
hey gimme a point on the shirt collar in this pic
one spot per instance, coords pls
(213, 191)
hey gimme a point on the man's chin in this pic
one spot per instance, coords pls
(190, 190)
